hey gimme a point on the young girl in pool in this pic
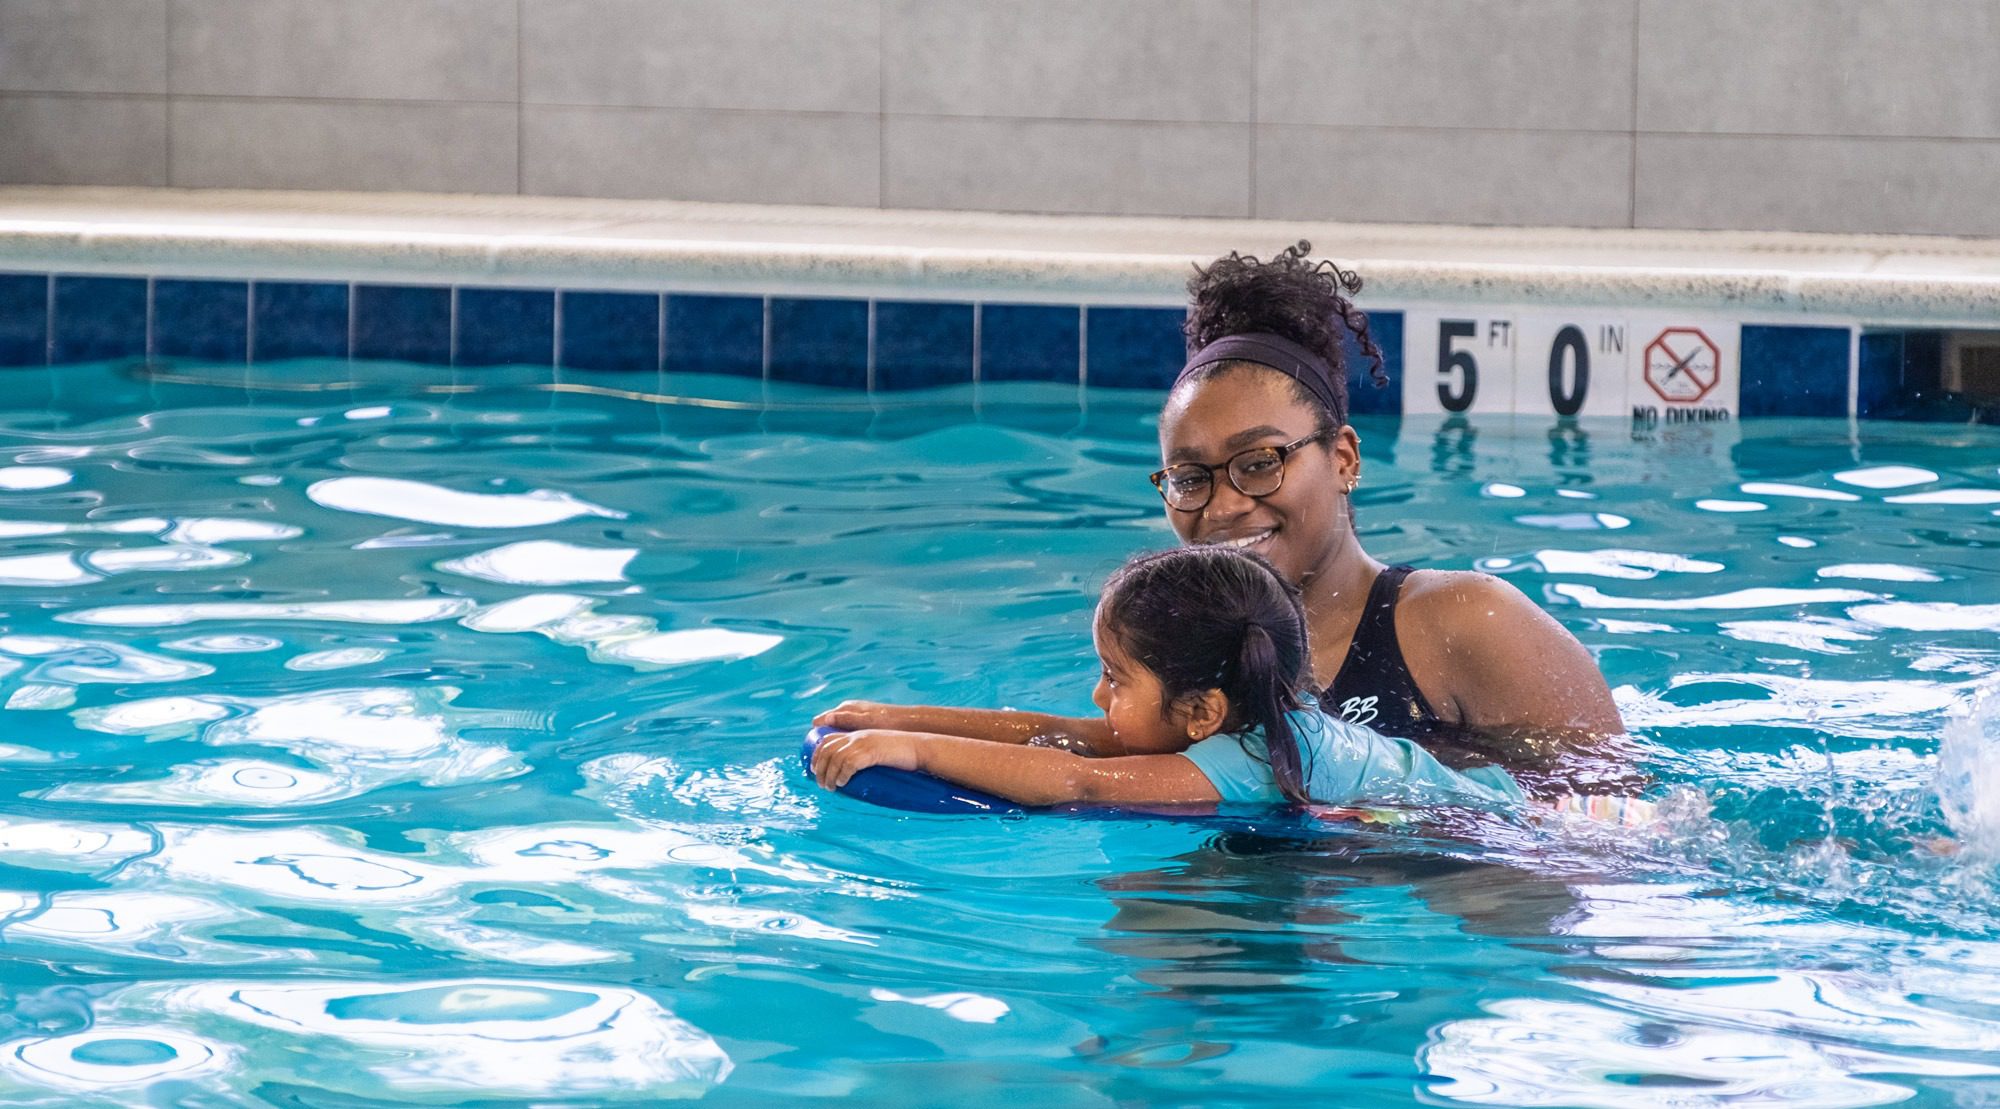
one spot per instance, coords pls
(1204, 667)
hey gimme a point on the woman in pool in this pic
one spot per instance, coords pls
(1258, 454)
(1202, 684)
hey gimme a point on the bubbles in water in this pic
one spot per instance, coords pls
(1968, 782)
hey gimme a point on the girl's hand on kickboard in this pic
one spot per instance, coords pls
(840, 757)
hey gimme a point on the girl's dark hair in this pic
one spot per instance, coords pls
(1290, 295)
(1209, 617)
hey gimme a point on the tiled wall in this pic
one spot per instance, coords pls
(1828, 115)
(883, 346)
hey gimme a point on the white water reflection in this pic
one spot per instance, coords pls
(452, 1039)
(351, 741)
(1803, 492)
(1577, 521)
(69, 845)
(633, 641)
(1764, 597)
(1877, 571)
(423, 502)
(170, 556)
(224, 644)
(1885, 477)
(1949, 496)
(67, 661)
(1627, 564)
(22, 479)
(113, 1057)
(544, 562)
(1714, 504)
(1940, 616)
(340, 658)
(45, 570)
(971, 1008)
(1968, 774)
(1822, 634)
(1885, 709)
(419, 611)
(111, 919)
(1530, 1051)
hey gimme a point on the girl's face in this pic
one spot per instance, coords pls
(1134, 702)
(1300, 527)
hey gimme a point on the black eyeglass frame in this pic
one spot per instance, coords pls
(1228, 469)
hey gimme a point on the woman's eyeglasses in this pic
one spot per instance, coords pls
(1257, 472)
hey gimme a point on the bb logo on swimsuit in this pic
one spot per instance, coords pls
(1358, 710)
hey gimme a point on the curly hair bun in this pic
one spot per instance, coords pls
(1290, 295)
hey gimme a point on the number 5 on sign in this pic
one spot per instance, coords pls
(1457, 363)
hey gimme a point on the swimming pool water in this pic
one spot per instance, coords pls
(371, 744)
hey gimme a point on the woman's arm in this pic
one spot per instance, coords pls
(1085, 734)
(1035, 776)
(1510, 670)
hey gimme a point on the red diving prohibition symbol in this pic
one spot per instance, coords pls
(1682, 365)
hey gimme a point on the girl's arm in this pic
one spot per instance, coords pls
(1086, 734)
(1034, 776)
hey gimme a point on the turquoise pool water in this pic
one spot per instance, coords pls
(366, 745)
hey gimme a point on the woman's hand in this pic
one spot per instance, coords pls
(840, 757)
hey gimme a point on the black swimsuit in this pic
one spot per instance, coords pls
(1374, 686)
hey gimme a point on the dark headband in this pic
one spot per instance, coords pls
(1278, 353)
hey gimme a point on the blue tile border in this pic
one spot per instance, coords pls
(880, 345)
(298, 319)
(506, 327)
(1133, 348)
(403, 323)
(922, 344)
(715, 335)
(1030, 342)
(819, 342)
(608, 331)
(209, 320)
(24, 319)
(98, 318)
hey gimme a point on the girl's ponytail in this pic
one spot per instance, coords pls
(1268, 697)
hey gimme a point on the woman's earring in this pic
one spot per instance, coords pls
(1351, 485)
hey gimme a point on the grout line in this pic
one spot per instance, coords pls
(1853, 375)
(660, 362)
(249, 322)
(451, 334)
(869, 379)
(353, 314)
(1632, 163)
(149, 318)
(556, 336)
(49, 322)
(766, 352)
(1082, 346)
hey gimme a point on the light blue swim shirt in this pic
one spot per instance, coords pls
(1349, 765)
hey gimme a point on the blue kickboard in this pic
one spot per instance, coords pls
(909, 790)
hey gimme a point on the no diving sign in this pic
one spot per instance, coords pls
(1683, 365)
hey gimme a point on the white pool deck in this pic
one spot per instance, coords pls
(696, 247)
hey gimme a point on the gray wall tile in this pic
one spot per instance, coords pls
(1176, 169)
(1537, 64)
(1429, 176)
(1930, 186)
(83, 140)
(342, 145)
(1187, 60)
(351, 49)
(798, 55)
(1821, 67)
(751, 157)
(98, 46)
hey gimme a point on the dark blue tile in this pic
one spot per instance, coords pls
(297, 319)
(610, 331)
(1363, 398)
(1030, 342)
(820, 342)
(24, 319)
(403, 323)
(1901, 378)
(209, 320)
(1794, 371)
(99, 317)
(921, 345)
(1135, 348)
(715, 335)
(506, 327)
